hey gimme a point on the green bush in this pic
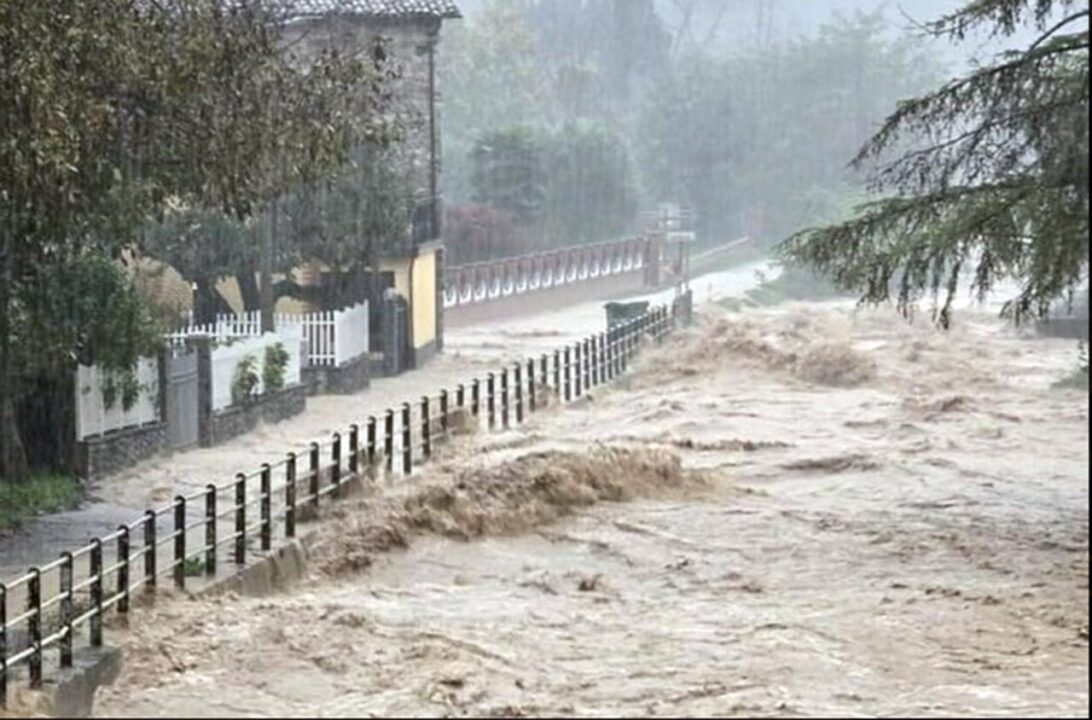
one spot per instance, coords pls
(120, 381)
(193, 567)
(276, 360)
(244, 387)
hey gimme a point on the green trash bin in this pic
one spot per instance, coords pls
(619, 313)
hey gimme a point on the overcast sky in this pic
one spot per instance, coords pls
(747, 22)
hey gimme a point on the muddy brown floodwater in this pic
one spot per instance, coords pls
(800, 511)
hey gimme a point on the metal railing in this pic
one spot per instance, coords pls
(51, 605)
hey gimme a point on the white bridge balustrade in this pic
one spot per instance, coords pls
(94, 418)
(498, 279)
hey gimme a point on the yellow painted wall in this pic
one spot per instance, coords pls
(424, 299)
(422, 296)
(400, 268)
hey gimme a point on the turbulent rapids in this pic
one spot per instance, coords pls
(804, 511)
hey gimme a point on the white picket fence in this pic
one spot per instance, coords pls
(225, 359)
(225, 327)
(332, 338)
(93, 418)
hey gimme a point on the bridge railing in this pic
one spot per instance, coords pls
(498, 279)
(217, 530)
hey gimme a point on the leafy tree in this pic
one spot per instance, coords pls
(509, 173)
(491, 79)
(996, 184)
(204, 247)
(476, 233)
(544, 64)
(110, 109)
(591, 193)
(599, 56)
(745, 139)
(568, 186)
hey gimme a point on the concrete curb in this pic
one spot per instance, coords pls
(72, 693)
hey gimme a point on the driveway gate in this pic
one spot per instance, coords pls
(181, 397)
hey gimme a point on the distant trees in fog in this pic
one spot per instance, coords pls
(754, 141)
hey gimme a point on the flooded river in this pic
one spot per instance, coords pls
(799, 511)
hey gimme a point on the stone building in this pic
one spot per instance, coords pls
(408, 31)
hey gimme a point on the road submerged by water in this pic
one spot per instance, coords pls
(469, 352)
(796, 511)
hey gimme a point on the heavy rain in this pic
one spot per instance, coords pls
(543, 358)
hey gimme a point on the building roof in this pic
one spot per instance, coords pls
(441, 9)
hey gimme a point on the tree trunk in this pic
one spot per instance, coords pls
(291, 289)
(13, 459)
(248, 288)
(207, 302)
(47, 418)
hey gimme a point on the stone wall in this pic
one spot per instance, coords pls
(408, 48)
(348, 379)
(97, 457)
(238, 419)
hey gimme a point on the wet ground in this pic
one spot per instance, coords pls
(867, 518)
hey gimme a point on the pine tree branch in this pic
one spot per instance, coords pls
(954, 95)
(1061, 24)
